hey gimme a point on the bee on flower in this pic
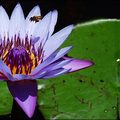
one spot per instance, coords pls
(35, 18)
(29, 51)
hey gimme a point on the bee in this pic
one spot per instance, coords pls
(35, 18)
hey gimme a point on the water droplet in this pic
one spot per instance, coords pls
(114, 107)
(105, 110)
(118, 60)
(41, 86)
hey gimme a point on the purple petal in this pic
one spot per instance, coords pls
(5, 70)
(34, 40)
(30, 25)
(25, 93)
(55, 73)
(4, 24)
(77, 64)
(42, 30)
(19, 77)
(2, 77)
(52, 58)
(56, 40)
(53, 22)
(56, 65)
(62, 52)
(39, 75)
(51, 67)
(17, 23)
(43, 64)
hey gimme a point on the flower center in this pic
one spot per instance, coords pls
(19, 60)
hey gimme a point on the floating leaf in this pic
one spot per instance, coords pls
(92, 93)
(5, 99)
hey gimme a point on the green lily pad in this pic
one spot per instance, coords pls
(92, 93)
(5, 99)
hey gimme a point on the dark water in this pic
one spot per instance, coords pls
(70, 11)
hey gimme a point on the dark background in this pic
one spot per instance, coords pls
(70, 12)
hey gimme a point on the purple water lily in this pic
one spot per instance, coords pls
(29, 51)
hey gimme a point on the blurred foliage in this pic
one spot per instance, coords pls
(92, 93)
